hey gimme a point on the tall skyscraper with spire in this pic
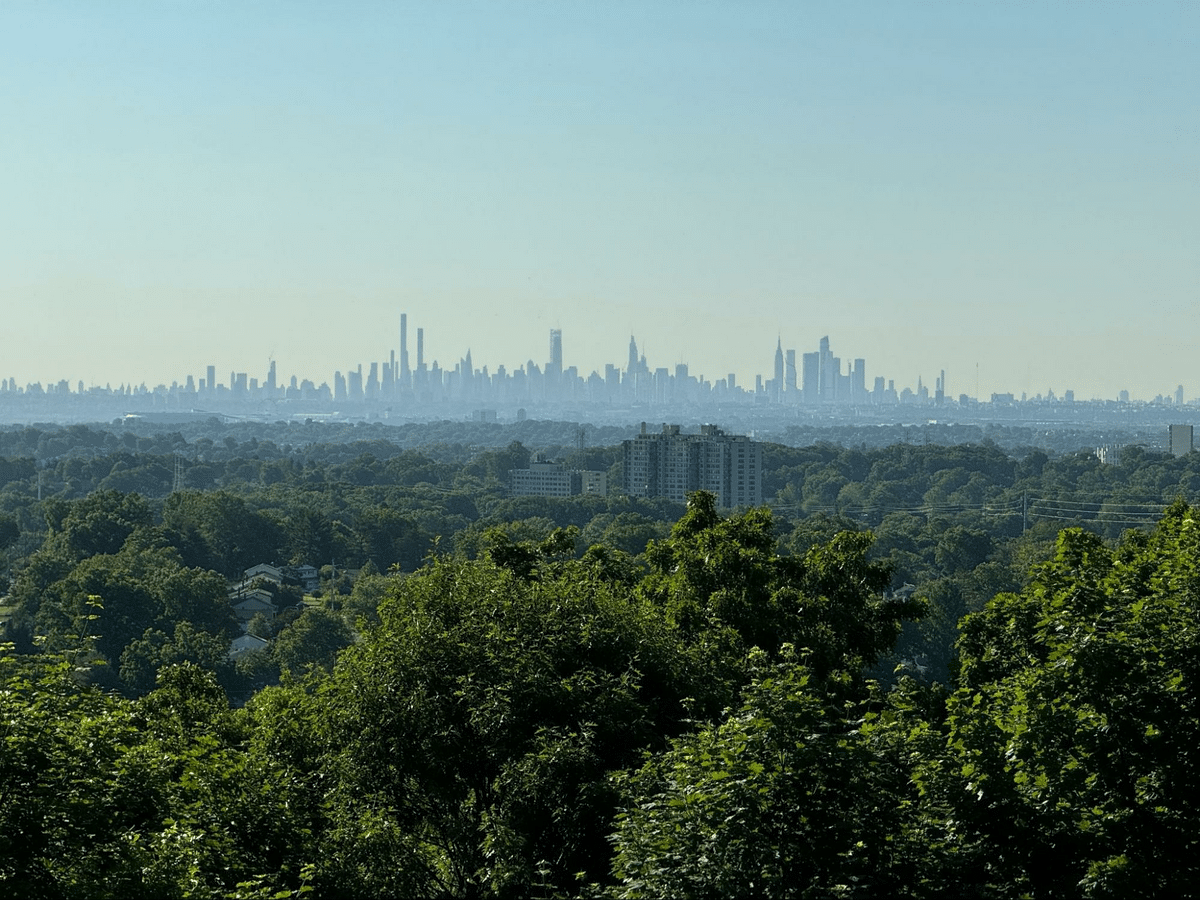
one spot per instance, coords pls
(777, 383)
(554, 366)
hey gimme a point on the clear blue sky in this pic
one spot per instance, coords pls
(1001, 185)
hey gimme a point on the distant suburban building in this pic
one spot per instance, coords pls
(594, 482)
(307, 577)
(1181, 440)
(672, 464)
(545, 479)
(247, 643)
(266, 572)
(552, 479)
(246, 607)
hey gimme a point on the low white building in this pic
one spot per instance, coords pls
(553, 479)
(269, 573)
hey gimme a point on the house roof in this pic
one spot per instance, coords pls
(255, 603)
(246, 643)
(264, 570)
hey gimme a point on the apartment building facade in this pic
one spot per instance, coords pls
(672, 464)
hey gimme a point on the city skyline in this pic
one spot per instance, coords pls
(1008, 189)
(409, 376)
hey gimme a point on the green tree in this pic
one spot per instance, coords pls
(472, 731)
(144, 658)
(783, 798)
(313, 639)
(390, 538)
(1072, 735)
(218, 530)
(72, 806)
(98, 524)
(233, 821)
(715, 573)
(10, 530)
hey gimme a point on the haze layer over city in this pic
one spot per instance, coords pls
(1003, 192)
(407, 386)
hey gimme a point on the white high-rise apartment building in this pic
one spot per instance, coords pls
(672, 464)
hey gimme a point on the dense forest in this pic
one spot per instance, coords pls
(922, 670)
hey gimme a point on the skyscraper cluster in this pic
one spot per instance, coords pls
(400, 386)
(821, 379)
(398, 383)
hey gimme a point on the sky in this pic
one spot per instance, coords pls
(1009, 192)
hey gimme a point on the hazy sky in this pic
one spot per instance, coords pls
(1005, 188)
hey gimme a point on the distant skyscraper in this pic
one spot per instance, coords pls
(812, 377)
(830, 370)
(372, 385)
(404, 370)
(858, 381)
(555, 366)
(466, 370)
(638, 381)
(211, 379)
(777, 384)
(790, 375)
